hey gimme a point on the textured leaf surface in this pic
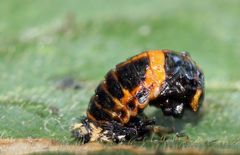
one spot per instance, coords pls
(54, 53)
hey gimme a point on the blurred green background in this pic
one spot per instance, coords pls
(54, 53)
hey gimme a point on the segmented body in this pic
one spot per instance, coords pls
(163, 78)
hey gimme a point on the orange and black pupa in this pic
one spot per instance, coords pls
(165, 79)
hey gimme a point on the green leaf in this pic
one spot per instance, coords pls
(54, 53)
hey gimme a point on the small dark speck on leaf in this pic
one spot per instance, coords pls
(54, 110)
(68, 83)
